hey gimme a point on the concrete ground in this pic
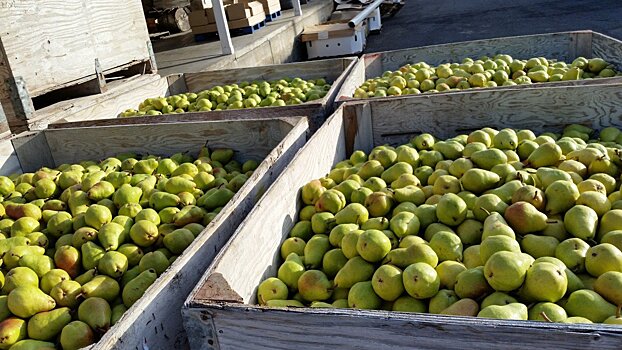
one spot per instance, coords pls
(425, 22)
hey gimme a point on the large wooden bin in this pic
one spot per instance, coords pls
(154, 322)
(54, 50)
(564, 46)
(221, 312)
(104, 111)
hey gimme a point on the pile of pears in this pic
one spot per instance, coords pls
(485, 72)
(81, 243)
(274, 93)
(498, 224)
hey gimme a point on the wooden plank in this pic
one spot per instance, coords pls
(32, 151)
(607, 48)
(220, 312)
(154, 322)
(73, 145)
(9, 163)
(277, 212)
(40, 34)
(354, 329)
(398, 120)
(562, 46)
(120, 95)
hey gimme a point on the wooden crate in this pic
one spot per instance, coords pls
(99, 111)
(154, 322)
(221, 312)
(564, 46)
(54, 50)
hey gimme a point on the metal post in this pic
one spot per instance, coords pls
(364, 14)
(297, 7)
(223, 27)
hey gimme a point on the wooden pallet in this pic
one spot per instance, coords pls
(273, 16)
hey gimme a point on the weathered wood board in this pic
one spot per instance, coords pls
(154, 322)
(561, 46)
(49, 45)
(221, 312)
(103, 111)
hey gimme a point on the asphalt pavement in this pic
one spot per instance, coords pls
(421, 23)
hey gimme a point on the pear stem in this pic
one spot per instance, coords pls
(618, 311)
(545, 317)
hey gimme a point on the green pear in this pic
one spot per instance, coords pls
(560, 196)
(86, 276)
(113, 264)
(60, 224)
(95, 312)
(462, 307)
(31, 344)
(101, 286)
(76, 335)
(530, 194)
(487, 204)
(421, 281)
(524, 218)
(418, 252)
(292, 245)
(495, 225)
(91, 254)
(333, 261)
(378, 204)
(498, 298)
(178, 240)
(83, 235)
(545, 282)
(40, 264)
(12, 257)
(547, 154)
(404, 224)
(494, 244)
(513, 311)
(372, 245)
(406, 303)
(315, 249)
(355, 270)
(609, 286)
(479, 180)
(505, 271)
(144, 233)
(472, 284)
(581, 221)
(451, 210)
(160, 200)
(313, 285)
(52, 278)
(100, 190)
(442, 300)
(548, 312)
(549, 175)
(470, 231)
(335, 237)
(127, 194)
(602, 258)
(25, 302)
(154, 260)
(349, 242)
(486, 159)
(66, 293)
(380, 223)
(471, 257)
(538, 246)
(590, 305)
(117, 312)
(354, 213)
(97, 215)
(572, 253)
(284, 303)
(135, 288)
(611, 221)
(12, 330)
(387, 282)
(289, 272)
(47, 325)
(362, 296)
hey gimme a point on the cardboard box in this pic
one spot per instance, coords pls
(237, 11)
(256, 8)
(201, 17)
(270, 6)
(200, 4)
(210, 28)
(247, 22)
